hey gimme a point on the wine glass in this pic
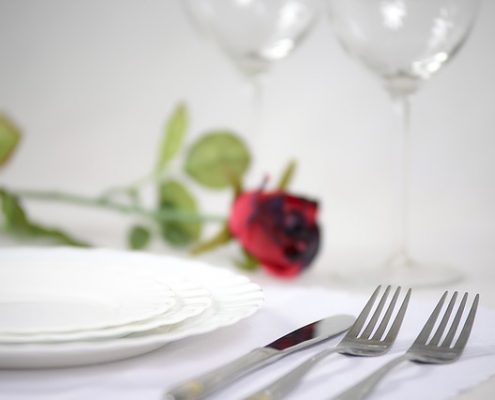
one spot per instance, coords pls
(254, 34)
(405, 43)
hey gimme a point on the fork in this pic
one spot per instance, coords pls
(354, 343)
(434, 351)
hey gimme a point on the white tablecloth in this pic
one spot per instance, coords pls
(145, 377)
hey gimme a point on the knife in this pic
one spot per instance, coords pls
(309, 335)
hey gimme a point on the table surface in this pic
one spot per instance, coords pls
(322, 278)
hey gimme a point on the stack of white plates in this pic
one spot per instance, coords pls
(66, 307)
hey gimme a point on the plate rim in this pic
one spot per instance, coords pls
(121, 348)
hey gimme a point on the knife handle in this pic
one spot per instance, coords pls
(203, 385)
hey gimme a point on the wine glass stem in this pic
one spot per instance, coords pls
(403, 109)
(257, 106)
(256, 114)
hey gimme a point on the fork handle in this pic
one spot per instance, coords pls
(364, 387)
(279, 388)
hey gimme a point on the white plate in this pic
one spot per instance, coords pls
(45, 291)
(192, 300)
(234, 297)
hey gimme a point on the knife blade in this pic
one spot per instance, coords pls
(302, 338)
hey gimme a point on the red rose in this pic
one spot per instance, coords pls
(279, 229)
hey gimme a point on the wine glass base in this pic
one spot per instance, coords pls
(406, 273)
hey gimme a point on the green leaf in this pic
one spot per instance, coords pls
(287, 175)
(248, 261)
(174, 196)
(15, 221)
(56, 235)
(14, 216)
(138, 237)
(173, 137)
(222, 237)
(9, 138)
(218, 159)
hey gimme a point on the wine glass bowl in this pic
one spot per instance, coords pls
(404, 42)
(254, 33)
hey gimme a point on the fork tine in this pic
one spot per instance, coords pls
(450, 335)
(361, 319)
(383, 325)
(374, 319)
(425, 332)
(443, 323)
(466, 330)
(394, 330)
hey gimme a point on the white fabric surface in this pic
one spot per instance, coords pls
(145, 377)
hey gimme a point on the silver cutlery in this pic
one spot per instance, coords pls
(302, 338)
(434, 351)
(356, 342)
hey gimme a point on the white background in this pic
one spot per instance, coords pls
(92, 82)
